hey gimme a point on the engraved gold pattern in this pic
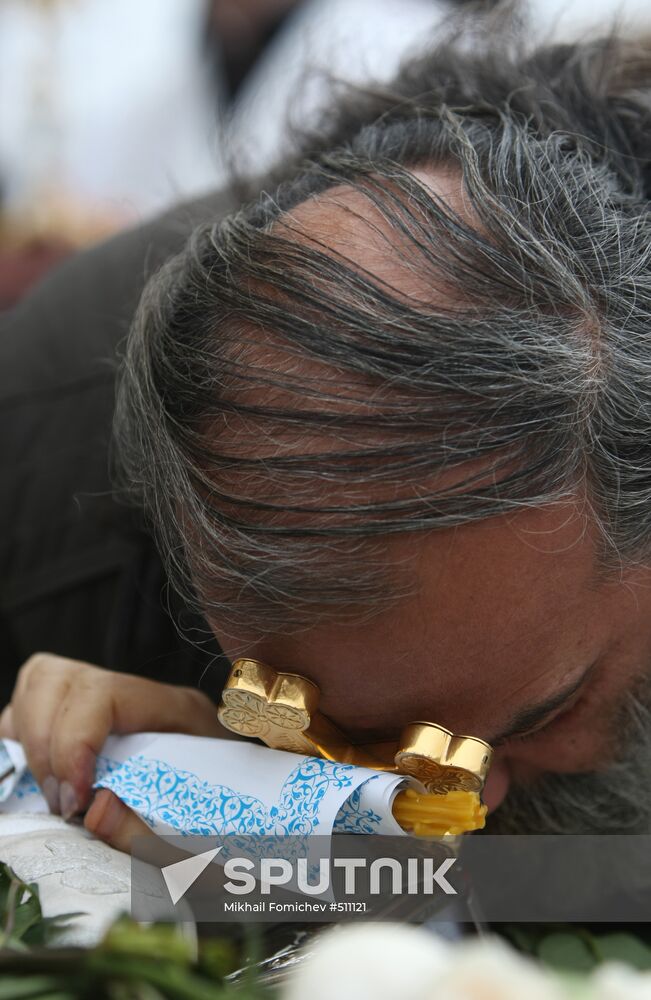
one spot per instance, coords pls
(437, 778)
(281, 710)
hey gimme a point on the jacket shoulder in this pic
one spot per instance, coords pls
(69, 326)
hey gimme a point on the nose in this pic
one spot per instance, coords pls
(497, 784)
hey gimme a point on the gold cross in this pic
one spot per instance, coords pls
(281, 710)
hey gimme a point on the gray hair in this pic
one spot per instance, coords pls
(536, 360)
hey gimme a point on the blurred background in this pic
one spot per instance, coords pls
(113, 110)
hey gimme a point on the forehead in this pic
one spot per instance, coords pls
(501, 608)
(345, 221)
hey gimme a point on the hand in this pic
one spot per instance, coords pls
(62, 712)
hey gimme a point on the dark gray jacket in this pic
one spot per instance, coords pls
(79, 575)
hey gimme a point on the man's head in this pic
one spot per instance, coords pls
(393, 423)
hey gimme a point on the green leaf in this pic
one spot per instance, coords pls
(133, 962)
(20, 906)
(524, 937)
(566, 951)
(26, 914)
(47, 929)
(173, 980)
(132, 991)
(163, 941)
(217, 957)
(32, 988)
(21, 918)
(620, 947)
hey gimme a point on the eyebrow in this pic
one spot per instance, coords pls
(532, 715)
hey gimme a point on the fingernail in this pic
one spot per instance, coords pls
(105, 814)
(50, 789)
(68, 802)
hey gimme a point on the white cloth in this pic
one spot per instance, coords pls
(195, 786)
(75, 873)
(179, 785)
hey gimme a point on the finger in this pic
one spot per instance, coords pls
(149, 705)
(42, 685)
(104, 702)
(101, 702)
(81, 726)
(111, 821)
(7, 731)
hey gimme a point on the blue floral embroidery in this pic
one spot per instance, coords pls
(26, 786)
(21, 787)
(351, 818)
(181, 800)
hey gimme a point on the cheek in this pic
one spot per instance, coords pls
(562, 753)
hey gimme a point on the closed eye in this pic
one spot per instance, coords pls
(564, 715)
(539, 718)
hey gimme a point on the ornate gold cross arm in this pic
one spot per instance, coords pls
(281, 710)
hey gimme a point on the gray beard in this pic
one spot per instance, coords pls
(615, 800)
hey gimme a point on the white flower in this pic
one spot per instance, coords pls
(616, 981)
(398, 962)
(371, 962)
(488, 969)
